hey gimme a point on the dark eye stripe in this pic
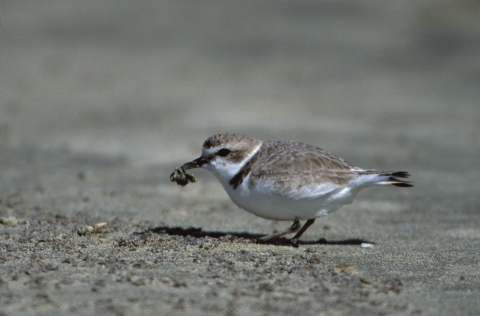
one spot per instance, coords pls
(223, 152)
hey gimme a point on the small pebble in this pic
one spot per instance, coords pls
(9, 221)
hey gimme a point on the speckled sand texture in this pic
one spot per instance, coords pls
(101, 100)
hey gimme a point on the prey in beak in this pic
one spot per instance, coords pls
(181, 177)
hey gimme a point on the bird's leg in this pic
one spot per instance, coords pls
(295, 227)
(302, 230)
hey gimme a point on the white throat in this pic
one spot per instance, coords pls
(225, 169)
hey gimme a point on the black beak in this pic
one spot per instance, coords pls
(197, 163)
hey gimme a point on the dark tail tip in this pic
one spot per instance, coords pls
(400, 183)
(397, 182)
(400, 174)
(403, 184)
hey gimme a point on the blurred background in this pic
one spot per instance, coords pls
(101, 99)
(391, 84)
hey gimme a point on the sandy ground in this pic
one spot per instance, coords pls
(100, 100)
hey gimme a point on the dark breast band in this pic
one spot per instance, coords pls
(244, 171)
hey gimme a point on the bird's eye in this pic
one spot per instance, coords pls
(223, 152)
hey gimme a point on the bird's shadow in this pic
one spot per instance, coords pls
(282, 241)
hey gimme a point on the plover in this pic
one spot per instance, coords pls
(284, 180)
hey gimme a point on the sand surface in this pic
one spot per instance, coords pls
(100, 100)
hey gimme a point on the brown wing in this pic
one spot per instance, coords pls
(301, 171)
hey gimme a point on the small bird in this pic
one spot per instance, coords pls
(284, 180)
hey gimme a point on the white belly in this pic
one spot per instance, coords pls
(286, 209)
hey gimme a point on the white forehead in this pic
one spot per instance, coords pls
(207, 152)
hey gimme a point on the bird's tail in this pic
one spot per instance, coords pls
(386, 178)
(393, 178)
